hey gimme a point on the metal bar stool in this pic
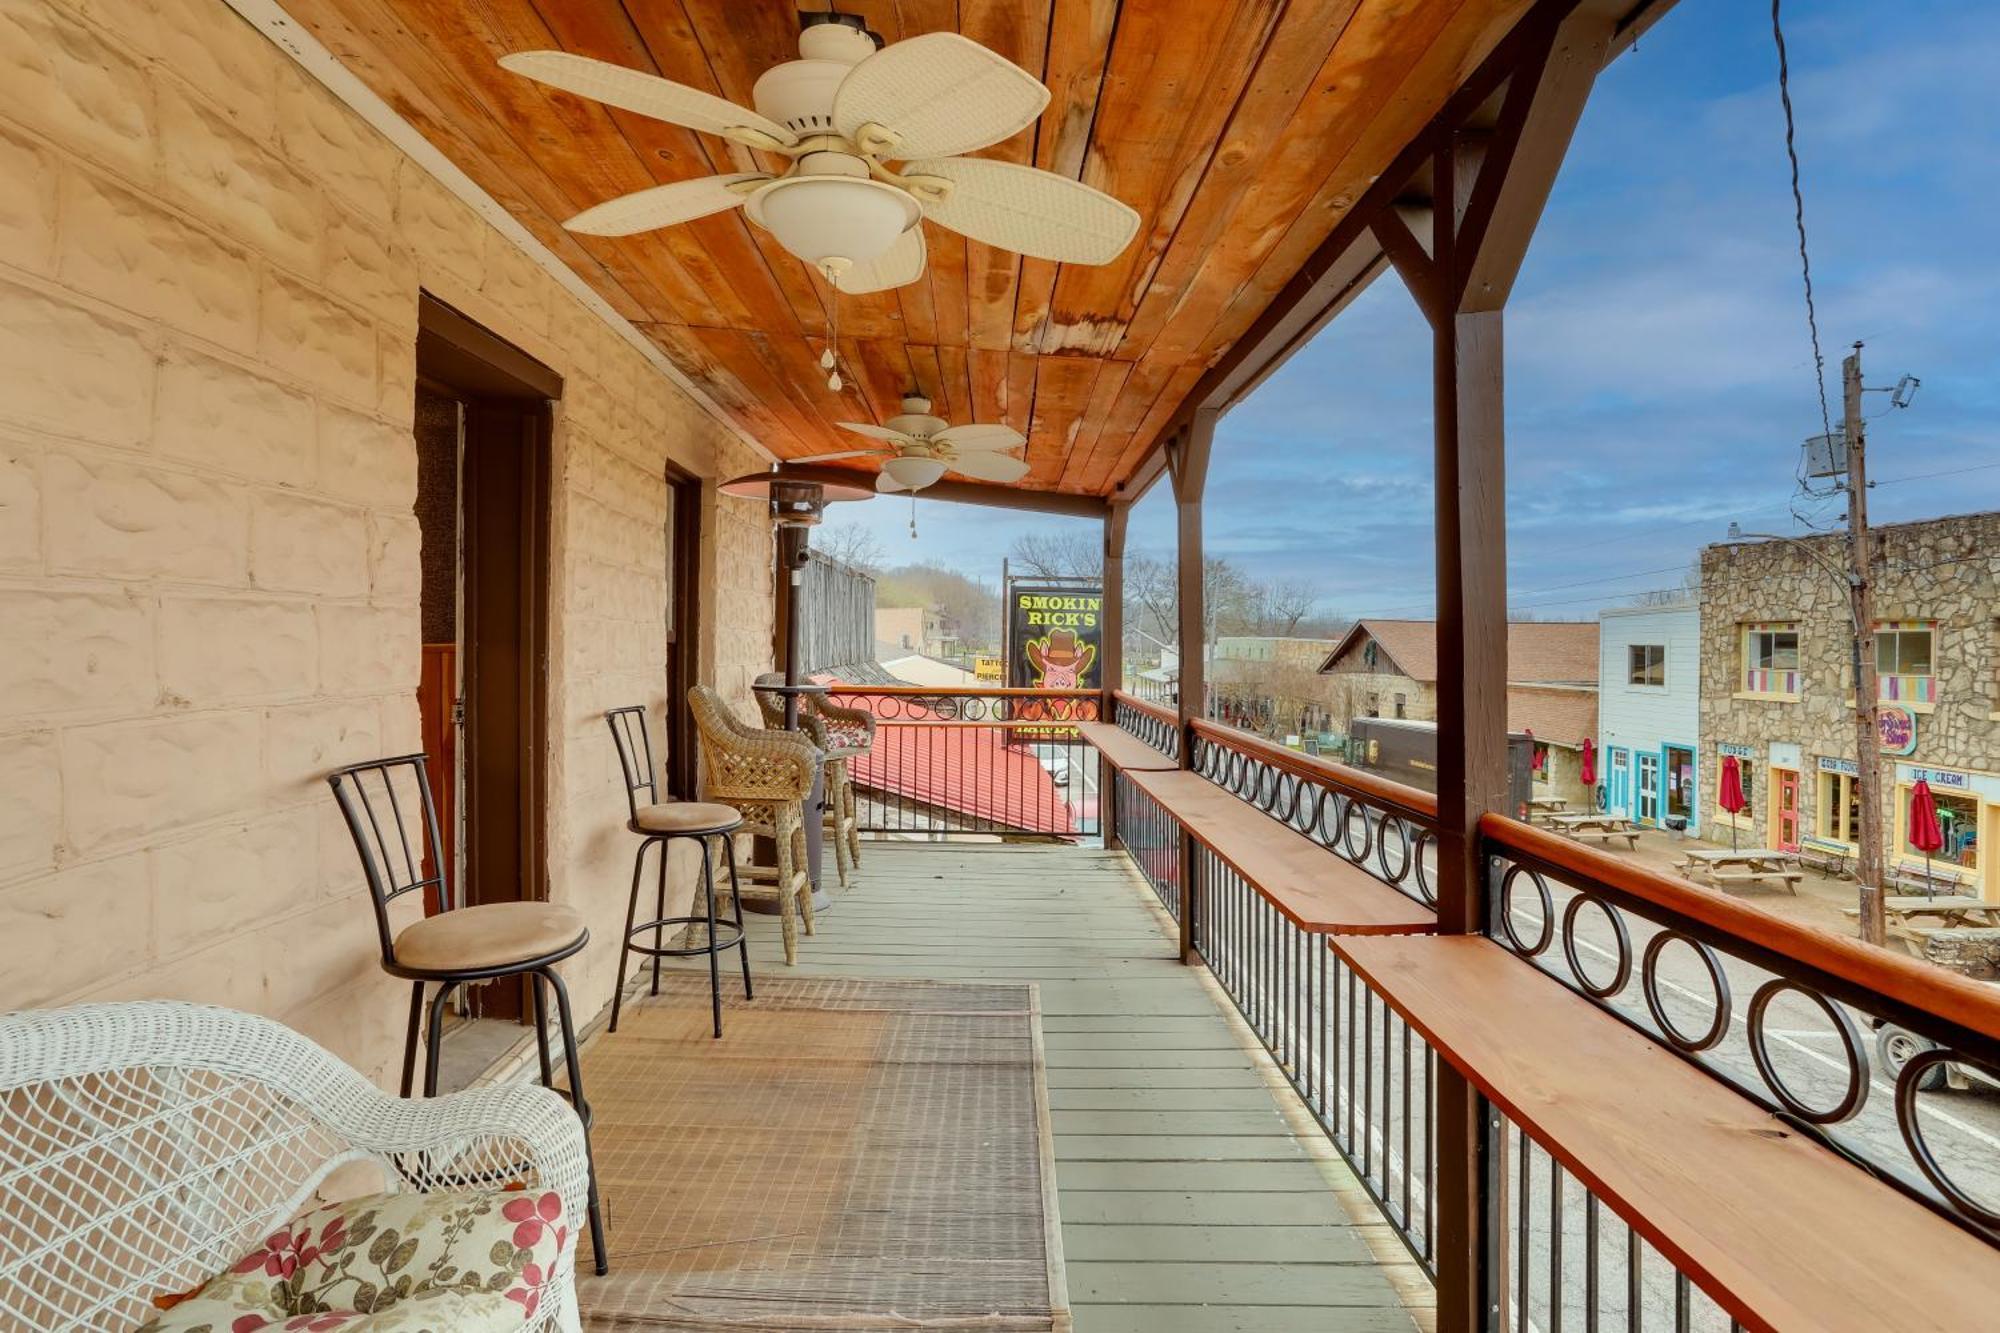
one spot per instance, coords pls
(458, 946)
(661, 822)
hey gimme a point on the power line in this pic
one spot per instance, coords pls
(1799, 213)
(1927, 476)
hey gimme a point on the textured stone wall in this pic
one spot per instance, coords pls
(209, 566)
(1940, 570)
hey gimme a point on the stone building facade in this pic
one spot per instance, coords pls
(209, 573)
(1776, 692)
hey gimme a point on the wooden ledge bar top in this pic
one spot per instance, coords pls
(1316, 889)
(1758, 1215)
(1125, 751)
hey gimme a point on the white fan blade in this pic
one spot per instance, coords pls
(888, 485)
(647, 94)
(894, 437)
(940, 95)
(898, 266)
(989, 467)
(662, 206)
(962, 438)
(828, 458)
(1029, 211)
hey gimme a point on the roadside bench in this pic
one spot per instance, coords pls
(1125, 751)
(1769, 1216)
(1316, 889)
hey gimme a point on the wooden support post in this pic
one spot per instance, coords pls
(1111, 661)
(1488, 184)
(1187, 460)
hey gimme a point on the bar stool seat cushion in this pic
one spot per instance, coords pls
(688, 817)
(488, 935)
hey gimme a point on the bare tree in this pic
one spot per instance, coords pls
(852, 545)
(1688, 591)
(1063, 553)
(1285, 602)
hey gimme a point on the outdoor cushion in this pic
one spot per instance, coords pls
(489, 935)
(444, 1262)
(686, 817)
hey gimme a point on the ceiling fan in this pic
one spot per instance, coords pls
(841, 113)
(923, 447)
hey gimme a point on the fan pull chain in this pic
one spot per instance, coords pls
(826, 358)
(913, 518)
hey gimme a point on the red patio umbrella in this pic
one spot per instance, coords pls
(1589, 773)
(1730, 795)
(1926, 834)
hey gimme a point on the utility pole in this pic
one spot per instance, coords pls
(1872, 861)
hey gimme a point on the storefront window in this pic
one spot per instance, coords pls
(1680, 782)
(1958, 820)
(1839, 807)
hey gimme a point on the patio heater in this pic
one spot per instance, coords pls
(798, 498)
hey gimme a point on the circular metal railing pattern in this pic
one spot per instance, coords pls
(1800, 1047)
(1387, 842)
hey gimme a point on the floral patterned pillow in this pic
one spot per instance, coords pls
(390, 1263)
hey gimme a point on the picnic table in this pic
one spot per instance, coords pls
(1596, 828)
(1949, 910)
(1544, 806)
(1754, 865)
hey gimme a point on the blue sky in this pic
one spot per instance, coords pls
(1659, 373)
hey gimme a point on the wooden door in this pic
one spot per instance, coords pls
(1785, 809)
(1649, 789)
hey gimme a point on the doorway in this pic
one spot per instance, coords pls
(683, 546)
(1681, 785)
(1785, 809)
(1618, 797)
(1649, 789)
(482, 426)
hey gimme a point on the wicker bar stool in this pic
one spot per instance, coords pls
(838, 738)
(767, 775)
(658, 823)
(460, 945)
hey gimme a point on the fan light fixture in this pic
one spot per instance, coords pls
(835, 224)
(913, 472)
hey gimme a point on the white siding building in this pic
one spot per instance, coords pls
(1649, 706)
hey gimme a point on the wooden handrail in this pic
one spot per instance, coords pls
(958, 692)
(1152, 710)
(1957, 999)
(1410, 800)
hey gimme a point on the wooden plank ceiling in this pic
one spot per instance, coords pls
(1241, 130)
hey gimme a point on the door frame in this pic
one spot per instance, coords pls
(1774, 825)
(1618, 778)
(683, 630)
(1640, 758)
(507, 399)
(1694, 783)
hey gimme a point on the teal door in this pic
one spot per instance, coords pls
(1618, 783)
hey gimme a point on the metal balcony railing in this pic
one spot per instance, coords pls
(1780, 1020)
(975, 761)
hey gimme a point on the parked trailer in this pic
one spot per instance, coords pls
(1406, 752)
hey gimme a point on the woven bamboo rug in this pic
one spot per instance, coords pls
(854, 1155)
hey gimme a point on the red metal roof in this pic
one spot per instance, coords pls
(968, 768)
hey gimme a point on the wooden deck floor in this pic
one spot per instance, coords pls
(1190, 1202)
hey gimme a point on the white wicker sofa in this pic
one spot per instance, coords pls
(147, 1148)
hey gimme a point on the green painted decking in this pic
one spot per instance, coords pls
(1191, 1201)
